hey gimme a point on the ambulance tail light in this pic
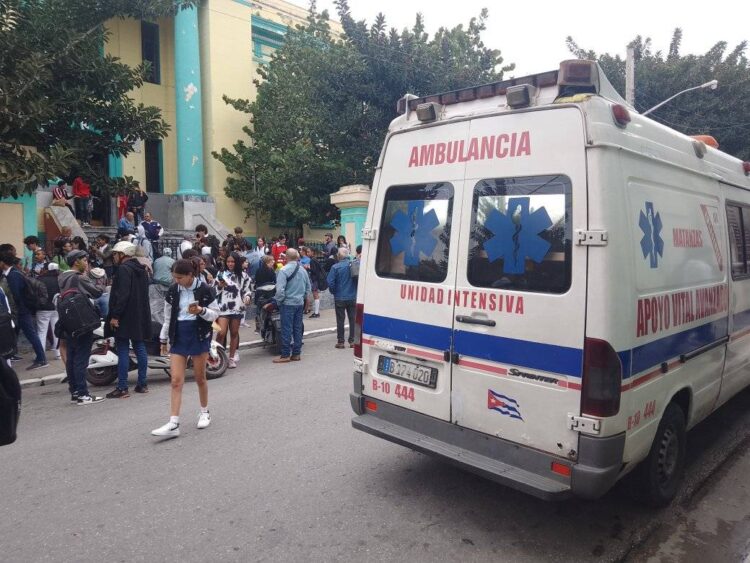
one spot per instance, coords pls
(621, 115)
(602, 379)
(358, 318)
(746, 167)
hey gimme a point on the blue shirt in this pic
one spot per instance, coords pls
(340, 282)
(126, 226)
(292, 292)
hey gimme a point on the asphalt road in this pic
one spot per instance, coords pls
(280, 475)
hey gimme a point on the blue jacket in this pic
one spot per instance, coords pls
(340, 282)
(17, 284)
(292, 293)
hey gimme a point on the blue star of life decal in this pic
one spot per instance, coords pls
(414, 233)
(652, 245)
(516, 235)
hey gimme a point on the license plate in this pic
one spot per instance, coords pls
(408, 371)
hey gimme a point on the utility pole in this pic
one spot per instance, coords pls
(630, 77)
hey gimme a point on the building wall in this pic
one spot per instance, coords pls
(125, 42)
(18, 219)
(229, 62)
(229, 66)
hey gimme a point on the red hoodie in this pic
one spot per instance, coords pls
(81, 188)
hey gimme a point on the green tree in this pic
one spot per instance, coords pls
(63, 103)
(324, 104)
(723, 113)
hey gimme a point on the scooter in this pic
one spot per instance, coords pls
(103, 362)
(269, 317)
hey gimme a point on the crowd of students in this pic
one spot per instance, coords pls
(209, 281)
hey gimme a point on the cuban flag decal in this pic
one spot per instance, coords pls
(502, 404)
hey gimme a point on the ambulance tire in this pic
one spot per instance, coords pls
(660, 474)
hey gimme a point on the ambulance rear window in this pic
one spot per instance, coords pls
(521, 234)
(415, 233)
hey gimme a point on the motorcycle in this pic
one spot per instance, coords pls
(102, 369)
(269, 317)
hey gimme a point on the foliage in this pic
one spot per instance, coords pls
(63, 104)
(325, 102)
(723, 113)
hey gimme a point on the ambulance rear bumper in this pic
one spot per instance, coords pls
(502, 461)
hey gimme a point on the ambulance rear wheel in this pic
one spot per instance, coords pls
(660, 474)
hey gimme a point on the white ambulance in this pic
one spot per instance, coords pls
(554, 288)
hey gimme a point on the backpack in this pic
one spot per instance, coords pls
(77, 314)
(35, 294)
(320, 275)
(354, 269)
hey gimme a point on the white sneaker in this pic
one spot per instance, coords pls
(89, 400)
(169, 430)
(204, 419)
(232, 364)
(236, 357)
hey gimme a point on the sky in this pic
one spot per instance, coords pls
(532, 34)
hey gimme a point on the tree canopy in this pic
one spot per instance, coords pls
(723, 113)
(62, 100)
(324, 104)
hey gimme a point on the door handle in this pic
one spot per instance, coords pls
(475, 321)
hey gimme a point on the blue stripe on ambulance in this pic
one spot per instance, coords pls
(655, 353)
(741, 320)
(547, 357)
(534, 355)
(429, 336)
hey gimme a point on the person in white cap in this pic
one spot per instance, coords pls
(129, 317)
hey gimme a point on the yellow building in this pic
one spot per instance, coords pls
(195, 59)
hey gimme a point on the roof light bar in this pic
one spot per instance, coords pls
(578, 76)
(520, 96)
(427, 112)
(482, 92)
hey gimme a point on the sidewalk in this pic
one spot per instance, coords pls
(55, 372)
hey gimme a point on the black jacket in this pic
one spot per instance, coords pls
(49, 279)
(264, 275)
(204, 295)
(129, 302)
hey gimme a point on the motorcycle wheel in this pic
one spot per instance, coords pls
(101, 377)
(217, 367)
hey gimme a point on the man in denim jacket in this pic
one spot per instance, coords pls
(293, 289)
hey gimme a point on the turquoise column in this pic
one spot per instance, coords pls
(189, 130)
(115, 166)
(357, 216)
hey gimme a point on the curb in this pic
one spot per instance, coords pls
(309, 334)
(58, 377)
(40, 381)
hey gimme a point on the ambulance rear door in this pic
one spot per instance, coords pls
(520, 299)
(407, 328)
